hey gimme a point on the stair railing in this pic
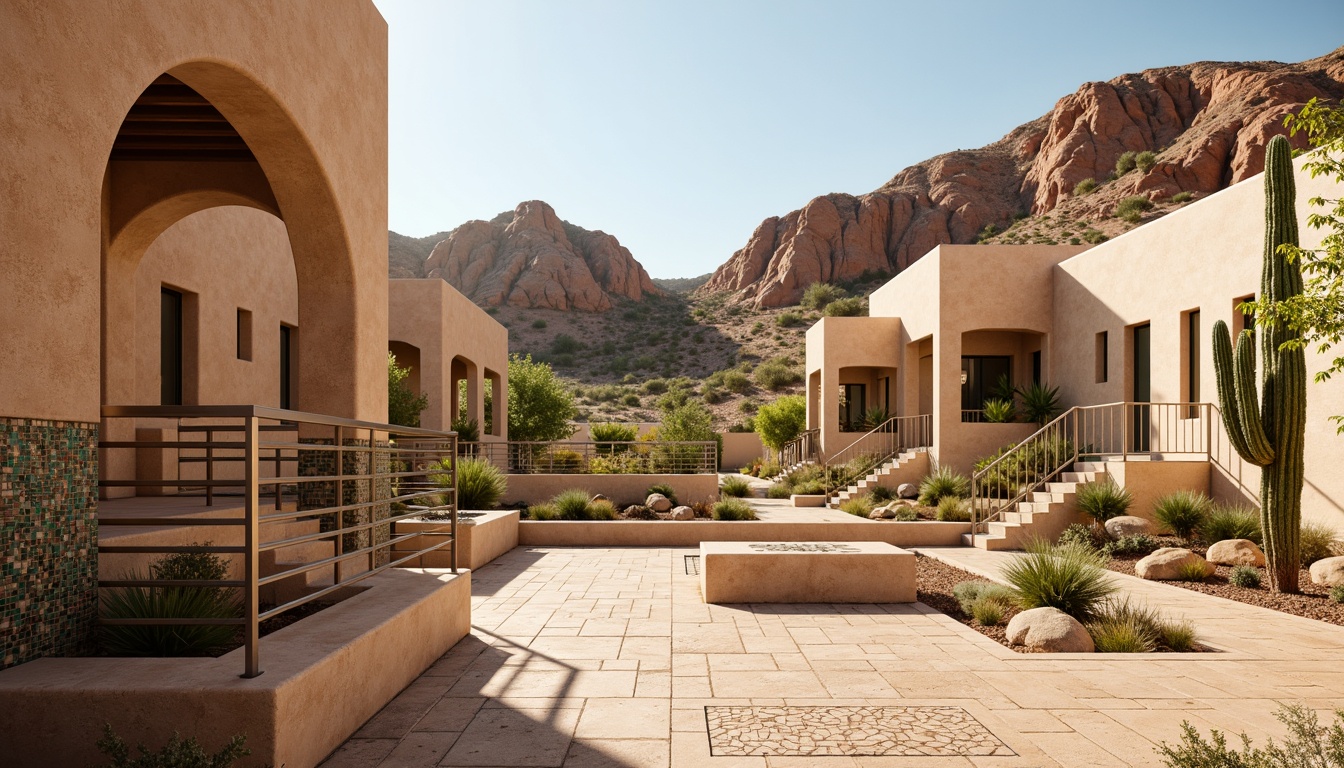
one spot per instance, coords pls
(801, 449)
(888, 439)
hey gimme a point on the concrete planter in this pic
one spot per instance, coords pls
(482, 537)
(690, 533)
(808, 500)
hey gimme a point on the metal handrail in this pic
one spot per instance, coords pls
(892, 437)
(1110, 432)
(620, 457)
(800, 449)
(356, 479)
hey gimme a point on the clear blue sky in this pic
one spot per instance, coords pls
(678, 126)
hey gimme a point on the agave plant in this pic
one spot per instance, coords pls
(1040, 403)
(1000, 411)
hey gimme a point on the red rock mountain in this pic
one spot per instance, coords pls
(531, 258)
(1208, 124)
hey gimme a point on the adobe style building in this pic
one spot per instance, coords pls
(1129, 320)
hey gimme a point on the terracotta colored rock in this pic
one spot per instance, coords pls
(683, 513)
(533, 259)
(1329, 571)
(1049, 630)
(658, 502)
(1236, 552)
(907, 490)
(1165, 564)
(1127, 525)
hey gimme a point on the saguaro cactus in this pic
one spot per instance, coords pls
(1268, 432)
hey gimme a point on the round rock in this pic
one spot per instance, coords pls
(1127, 525)
(1166, 563)
(1329, 571)
(907, 490)
(658, 502)
(1049, 630)
(683, 513)
(1236, 552)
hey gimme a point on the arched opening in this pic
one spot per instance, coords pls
(465, 392)
(408, 356)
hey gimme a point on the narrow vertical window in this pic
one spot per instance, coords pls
(1036, 367)
(244, 334)
(1103, 353)
(1242, 321)
(1192, 369)
(170, 347)
(286, 351)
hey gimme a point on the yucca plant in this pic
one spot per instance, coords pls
(999, 411)
(1103, 501)
(943, 481)
(169, 602)
(1040, 403)
(1182, 512)
(1071, 578)
(480, 484)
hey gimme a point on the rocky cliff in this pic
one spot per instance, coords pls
(1207, 124)
(531, 258)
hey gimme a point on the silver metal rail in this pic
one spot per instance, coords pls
(328, 481)
(801, 449)
(638, 457)
(888, 439)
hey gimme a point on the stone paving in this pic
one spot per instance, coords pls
(608, 657)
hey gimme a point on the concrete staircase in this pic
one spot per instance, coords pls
(1045, 516)
(906, 467)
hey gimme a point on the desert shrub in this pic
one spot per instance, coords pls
(611, 432)
(848, 307)
(770, 469)
(1145, 161)
(788, 319)
(538, 324)
(468, 430)
(480, 484)
(1182, 512)
(1040, 404)
(540, 406)
(1337, 593)
(654, 386)
(564, 344)
(1182, 197)
(177, 753)
(664, 489)
(1085, 187)
(819, 295)
(968, 593)
(735, 486)
(1230, 522)
(810, 487)
(602, 510)
(953, 510)
(1071, 578)
(1122, 632)
(858, 506)
(1094, 236)
(1245, 576)
(882, 494)
(733, 509)
(712, 395)
(943, 481)
(403, 406)
(1195, 570)
(563, 460)
(172, 603)
(779, 490)
(989, 613)
(1080, 535)
(1103, 501)
(777, 374)
(1308, 745)
(1132, 208)
(1178, 636)
(1139, 544)
(735, 381)
(631, 400)
(572, 504)
(619, 463)
(1000, 412)
(1317, 543)
(1124, 164)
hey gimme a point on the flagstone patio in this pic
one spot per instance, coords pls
(608, 657)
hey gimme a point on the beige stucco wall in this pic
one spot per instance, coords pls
(1149, 481)
(446, 326)
(315, 117)
(189, 257)
(1204, 256)
(847, 345)
(621, 489)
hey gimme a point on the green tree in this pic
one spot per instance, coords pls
(1318, 312)
(689, 422)
(781, 421)
(540, 406)
(403, 406)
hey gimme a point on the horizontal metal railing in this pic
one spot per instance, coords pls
(325, 481)
(637, 457)
(801, 449)
(878, 445)
(1109, 432)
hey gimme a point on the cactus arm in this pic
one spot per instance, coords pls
(1235, 373)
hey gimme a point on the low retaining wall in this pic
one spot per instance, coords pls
(323, 678)
(689, 533)
(479, 540)
(621, 489)
(740, 449)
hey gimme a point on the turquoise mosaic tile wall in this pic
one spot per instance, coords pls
(48, 538)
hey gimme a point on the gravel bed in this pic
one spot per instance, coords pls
(1313, 603)
(934, 581)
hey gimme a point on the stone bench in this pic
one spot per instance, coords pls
(806, 572)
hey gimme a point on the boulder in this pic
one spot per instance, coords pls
(1166, 563)
(877, 514)
(658, 502)
(907, 490)
(1127, 525)
(1236, 552)
(683, 513)
(1329, 571)
(1049, 630)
